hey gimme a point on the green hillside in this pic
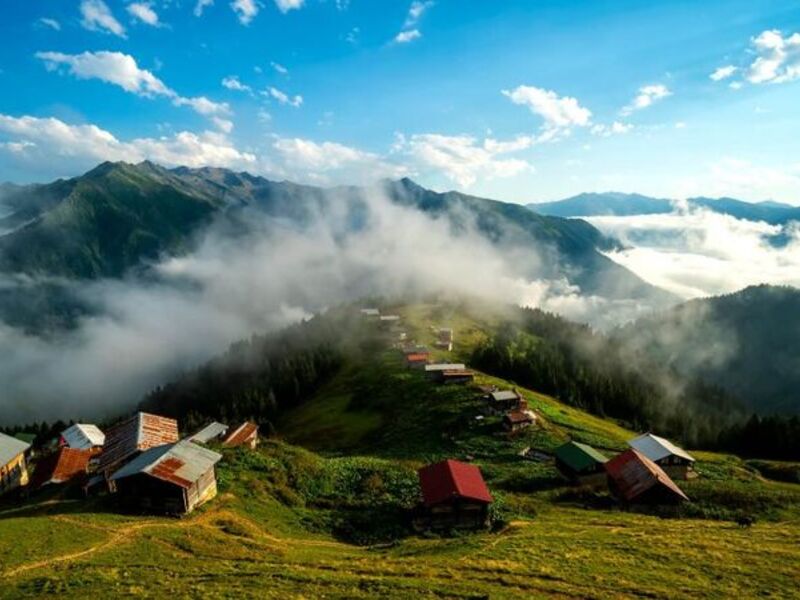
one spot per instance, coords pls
(321, 509)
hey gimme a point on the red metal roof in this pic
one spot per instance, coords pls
(450, 480)
(418, 357)
(241, 435)
(634, 474)
(519, 416)
(61, 466)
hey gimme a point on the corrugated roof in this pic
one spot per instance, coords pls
(502, 395)
(83, 436)
(241, 435)
(519, 416)
(579, 456)
(141, 432)
(210, 432)
(445, 367)
(10, 448)
(656, 448)
(181, 464)
(634, 474)
(61, 466)
(450, 480)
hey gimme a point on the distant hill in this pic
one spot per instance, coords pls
(619, 204)
(747, 343)
(110, 220)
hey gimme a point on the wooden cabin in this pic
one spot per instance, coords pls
(434, 370)
(580, 463)
(171, 479)
(502, 401)
(454, 496)
(444, 338)
(417, 360)
(63, 466)
(244, 435)
(82, 436)
(372, 313)
(636, 479)
(128, 439)
(517, 420)
(210, 433)
(675, 461)
(13, 463)
(455, 376)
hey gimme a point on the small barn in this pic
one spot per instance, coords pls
(636, 479)
(454, 496)
(63, 466)
(131, 437)
(210, 433)
(417, 360)
(456, 376)
(581, 463)
(444, 338)
(503, 401)
(245, 434)
(82, 436)
(435, 370)
(675, 461)
(171, 479)
(517, 420)
(371, 312)
(13, 465)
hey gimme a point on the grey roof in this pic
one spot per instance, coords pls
(501, 395)
(655, 448)
(182, 463)
(10, 448)
(82, 436)
(445, 367)
(210, 432)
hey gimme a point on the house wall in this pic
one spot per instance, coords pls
(459, 515)
(202, 491)
(14, 474)
(146, 493)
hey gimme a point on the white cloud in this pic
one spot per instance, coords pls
(737, 178)
(200, 7)
(121, 70)
(284, 98)
(415, 12)
(279, 68)
(96, 16)
(51, 23)
(647, 96)
(286, 5)
(246, 10)
(616, 128)
(558, 112)
(17, 147)
(407, 36)
(232, 83)
(86, 144)
(723, 73)
(144, 12)
(778, 58)
(464, 159)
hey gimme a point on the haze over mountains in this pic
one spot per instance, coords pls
(169, 266)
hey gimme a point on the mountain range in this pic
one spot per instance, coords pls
(619, 204)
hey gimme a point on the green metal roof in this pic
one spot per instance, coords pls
(579, 456)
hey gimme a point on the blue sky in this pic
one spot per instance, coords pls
(517, 100)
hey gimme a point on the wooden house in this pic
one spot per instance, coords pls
(444, 338)
(580, 463)
(455, 376)
(13, 463)
(372, 313)
(63, 466)
(126, 440)
(82, 436)
(454, 496)
(170, 479)
(675, 461)
(244, 435)
(435, 370)
(417, 360)
(503, 401)
(517, 420)
(636, 479)
(210, 433)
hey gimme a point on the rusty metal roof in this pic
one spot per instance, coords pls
(181, 464)
(241, 435)
(61, 466)
(141, 432)
(10, 448)
(83, 436)
(519, 416)
(634, 474)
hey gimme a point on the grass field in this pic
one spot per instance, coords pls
(324, 513)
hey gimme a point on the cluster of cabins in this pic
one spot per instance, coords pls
(141, 460)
